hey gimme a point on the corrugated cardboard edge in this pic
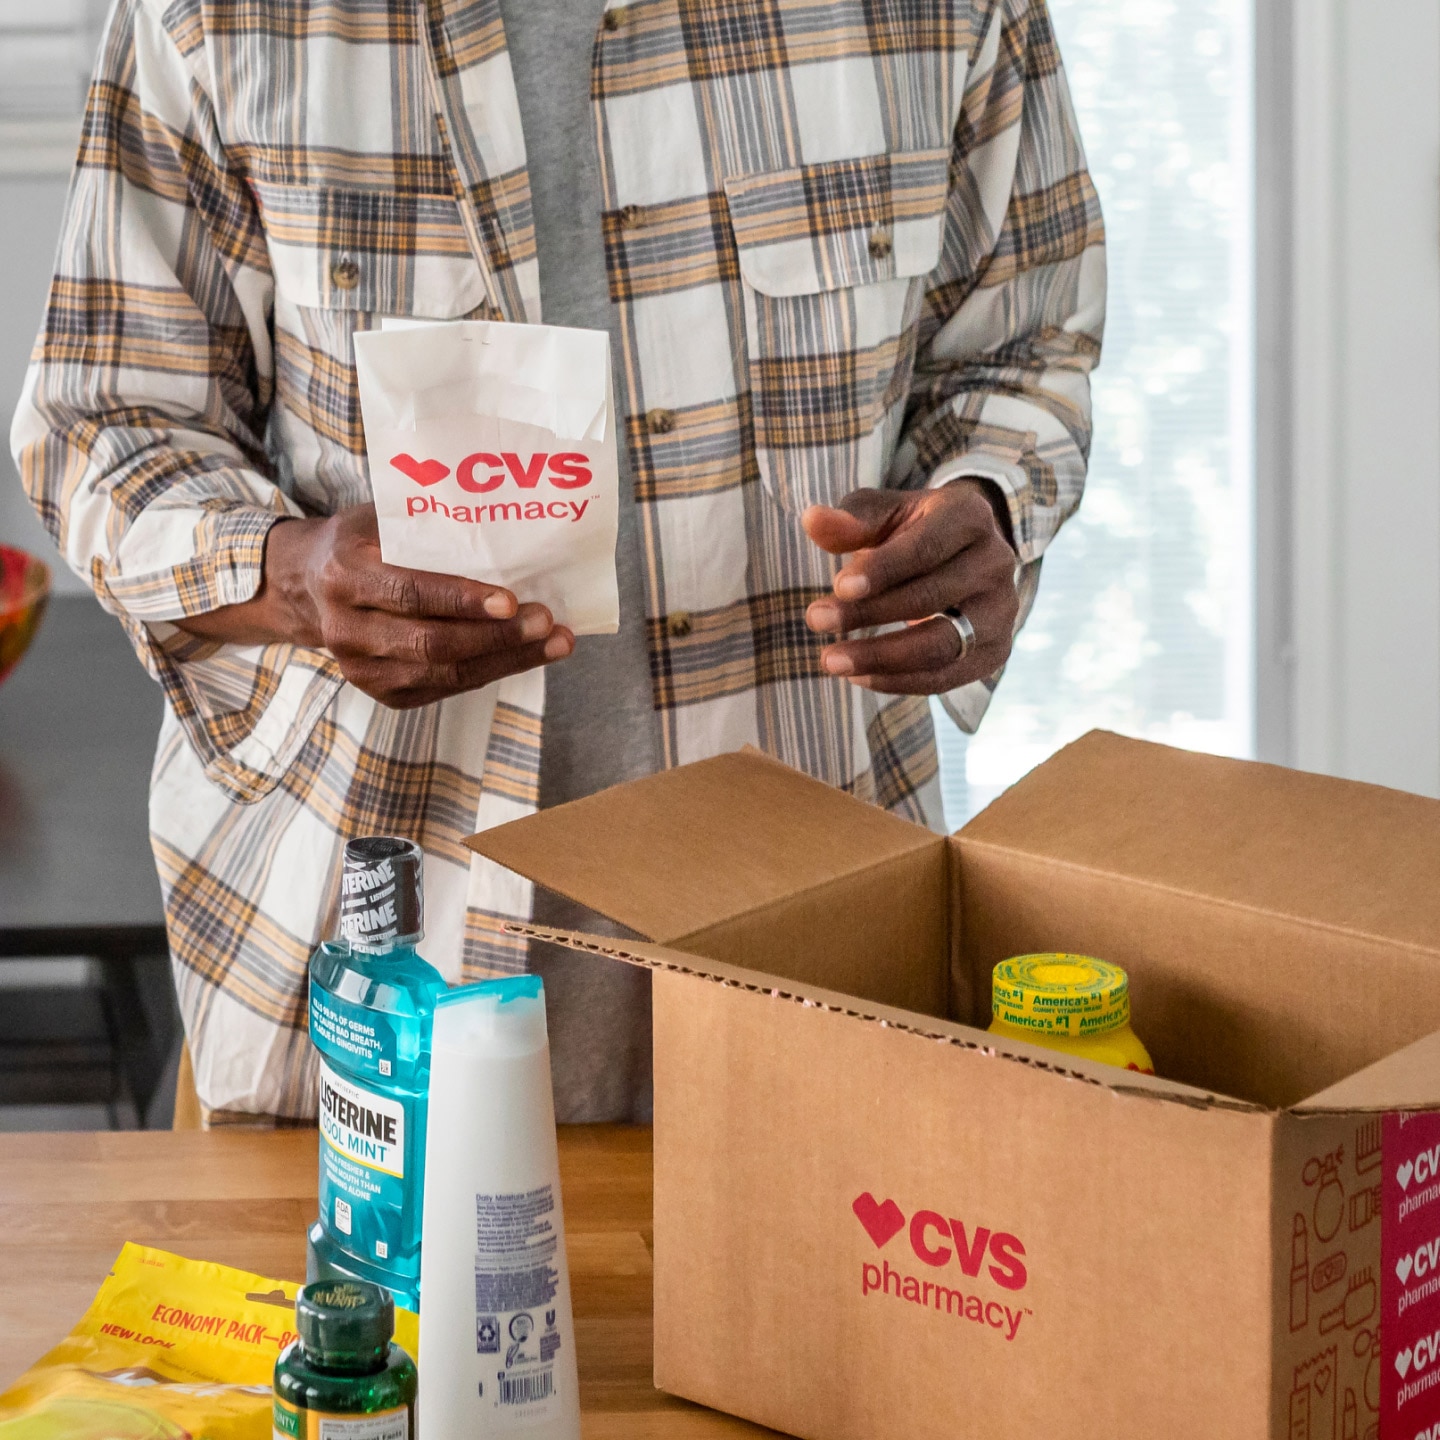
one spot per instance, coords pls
(544, 845)
(922, 1027)
(1392, 1083)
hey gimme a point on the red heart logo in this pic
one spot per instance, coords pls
(883, 1220)
(422, 472)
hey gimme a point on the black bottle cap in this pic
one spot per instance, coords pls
(381, 902)
(345, 1321)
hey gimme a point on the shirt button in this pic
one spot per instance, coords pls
(345, 273)
(660, 422)
(615, 18)
(880, 243)
(679, 624)
(631, 216)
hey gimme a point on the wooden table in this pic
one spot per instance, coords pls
(68, 1203)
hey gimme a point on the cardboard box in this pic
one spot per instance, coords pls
(875, 1221)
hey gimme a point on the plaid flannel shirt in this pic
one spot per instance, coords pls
(851, 243)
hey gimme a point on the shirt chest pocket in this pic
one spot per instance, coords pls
(369, 252)
(341, 259)
(832, 263)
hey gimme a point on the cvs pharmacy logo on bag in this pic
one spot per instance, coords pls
(483, 472)
(938, 1241)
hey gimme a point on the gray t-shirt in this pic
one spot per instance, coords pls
(600, 725)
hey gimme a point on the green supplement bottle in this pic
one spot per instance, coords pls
(344, 1379)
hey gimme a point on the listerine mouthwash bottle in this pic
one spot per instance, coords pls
(371, 1001)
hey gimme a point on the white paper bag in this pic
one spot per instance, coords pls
(492, 456)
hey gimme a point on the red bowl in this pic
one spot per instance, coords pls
(24, 589)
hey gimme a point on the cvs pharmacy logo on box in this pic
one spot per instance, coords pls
(482, 472)
(1418, 1357)
(939, 1241)
(1424, 1167)
(1423, 1260)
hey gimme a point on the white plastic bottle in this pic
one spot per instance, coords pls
(497, 1340)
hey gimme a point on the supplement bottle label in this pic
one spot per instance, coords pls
(293, 1424)
(362, 1165)
(516, 1282)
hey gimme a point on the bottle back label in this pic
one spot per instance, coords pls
(517, 1280)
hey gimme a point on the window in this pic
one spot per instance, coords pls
(1144, 620)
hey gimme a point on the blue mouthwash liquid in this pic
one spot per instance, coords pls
(371, 1002)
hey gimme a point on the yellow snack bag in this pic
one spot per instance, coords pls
(170, 1349)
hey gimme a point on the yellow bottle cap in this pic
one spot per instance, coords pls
(1061, 994)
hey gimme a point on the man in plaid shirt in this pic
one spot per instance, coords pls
(853, 269)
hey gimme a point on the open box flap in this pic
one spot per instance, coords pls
(687, 848)
(650, 956)
(1252, 835)
(1407, 1080)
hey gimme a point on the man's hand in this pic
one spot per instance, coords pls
(912, 555)
(405, 637)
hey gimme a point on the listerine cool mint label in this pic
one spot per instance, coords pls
(371, 1002)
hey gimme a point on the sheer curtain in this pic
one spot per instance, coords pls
(1144, 621)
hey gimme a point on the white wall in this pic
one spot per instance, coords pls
(46, 57)
(30, 206)
(1349, 440)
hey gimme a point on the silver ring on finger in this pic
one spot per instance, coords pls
(963, 628)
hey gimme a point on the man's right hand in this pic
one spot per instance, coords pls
(406, 637)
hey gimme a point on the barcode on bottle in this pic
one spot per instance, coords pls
(525, 1389)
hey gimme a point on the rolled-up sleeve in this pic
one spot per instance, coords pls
(1014, 314)
(140, 432)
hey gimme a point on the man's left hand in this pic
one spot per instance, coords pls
(914, 554)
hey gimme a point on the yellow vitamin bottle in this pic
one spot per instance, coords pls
(1071, 1003)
